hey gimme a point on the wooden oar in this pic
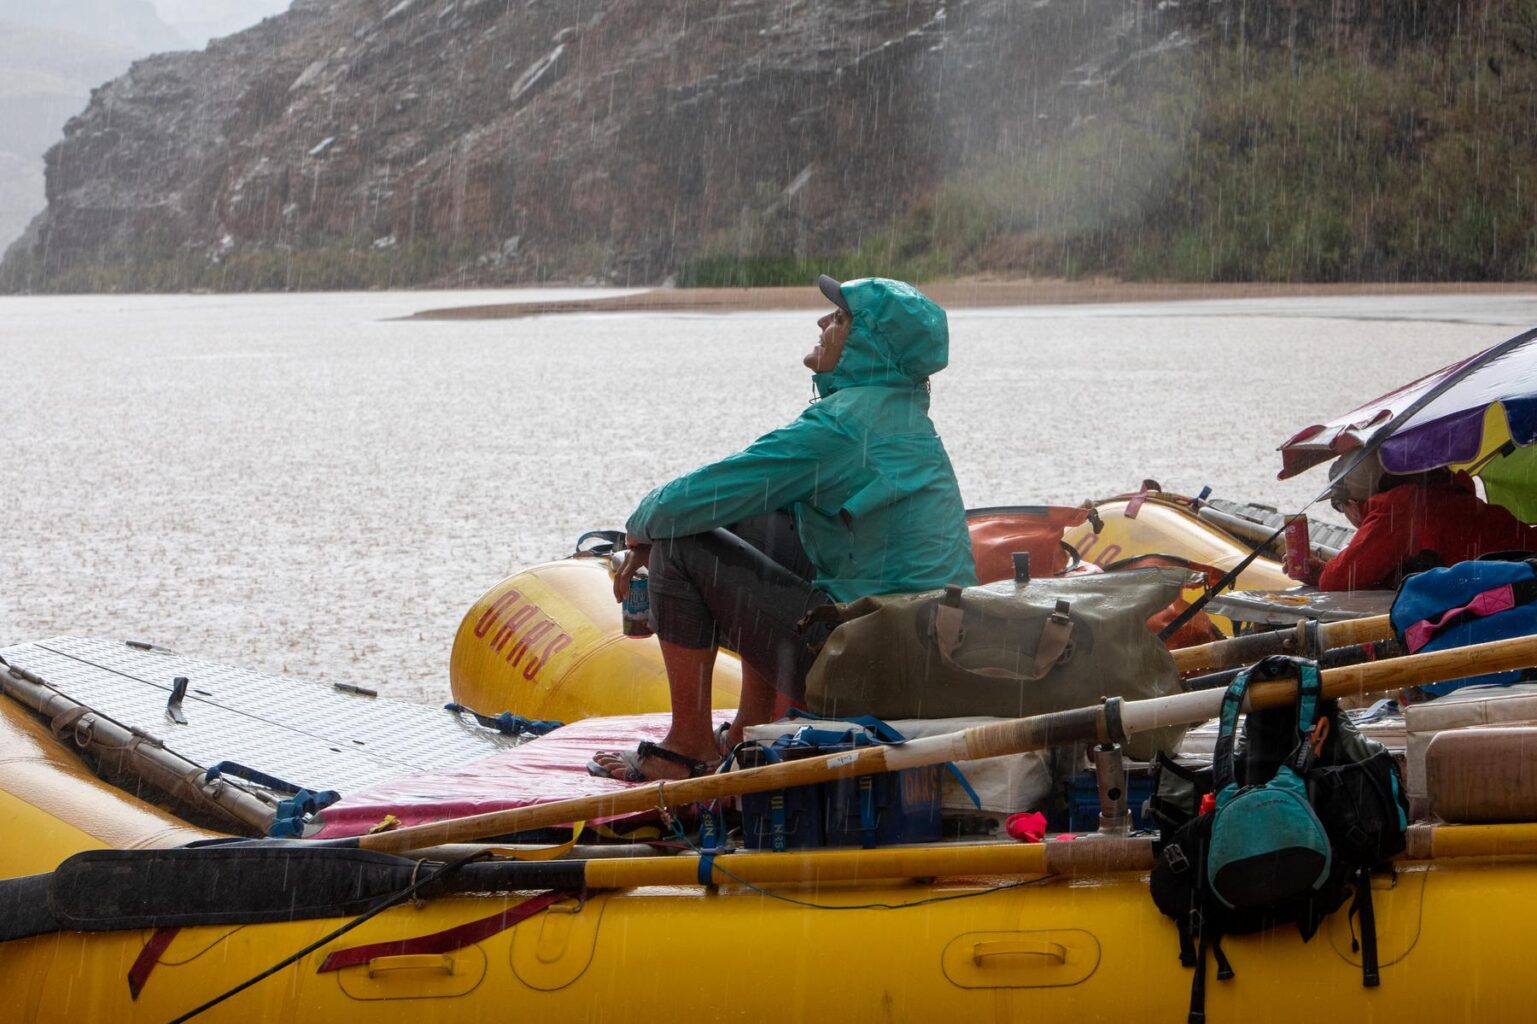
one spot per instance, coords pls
(1087, 856)
(1110, 722)
(1244, 650)
(1333, 657)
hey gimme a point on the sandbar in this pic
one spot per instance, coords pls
(963, 294)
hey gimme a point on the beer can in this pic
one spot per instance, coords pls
(1297, 546)
(637, 608)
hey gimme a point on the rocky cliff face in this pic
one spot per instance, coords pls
(421, 141)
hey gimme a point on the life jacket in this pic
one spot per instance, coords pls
(1279, 835)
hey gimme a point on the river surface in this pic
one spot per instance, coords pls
(304, 484)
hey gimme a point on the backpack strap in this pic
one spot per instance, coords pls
(1312, 727)
(1198, 983)
(1227, 731)
(1210, 942)
(1370, 976)
(1224, 969)
(1309, 693)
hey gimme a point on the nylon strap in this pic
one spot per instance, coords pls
(447, 940)
(777, 822)
(507, 723)
(1055, 643)
(544, 852)
(867, 811)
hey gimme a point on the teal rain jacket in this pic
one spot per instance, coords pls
(862, 471)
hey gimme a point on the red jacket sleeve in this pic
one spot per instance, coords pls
(1374, 554)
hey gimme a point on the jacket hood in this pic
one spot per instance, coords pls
(899, 337)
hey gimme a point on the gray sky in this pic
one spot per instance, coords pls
(201, 20)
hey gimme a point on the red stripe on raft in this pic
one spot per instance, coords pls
(445, 941)
(148, 957)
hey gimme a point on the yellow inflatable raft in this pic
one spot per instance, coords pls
(986, 931)
(989, 943)
(547, 642)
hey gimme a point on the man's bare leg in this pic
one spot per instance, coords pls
(689, 675)
(756, 705)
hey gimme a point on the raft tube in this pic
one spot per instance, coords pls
(548, 643)
(982, 947)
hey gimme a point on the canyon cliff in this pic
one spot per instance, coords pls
(373, 143)
(518, 140)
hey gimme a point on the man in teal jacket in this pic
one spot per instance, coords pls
(875, 509)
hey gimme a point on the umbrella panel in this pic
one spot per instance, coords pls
(1511, 481)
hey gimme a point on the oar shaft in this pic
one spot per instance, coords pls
(676, 793)
(1087, 857)
(1440, 842)
(1334, 657)
(993, 739)
(1243, 650)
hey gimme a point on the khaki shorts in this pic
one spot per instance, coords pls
(745, 588)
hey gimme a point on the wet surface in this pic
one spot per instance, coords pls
(299, 484)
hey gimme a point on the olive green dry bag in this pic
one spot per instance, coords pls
(1008, 649)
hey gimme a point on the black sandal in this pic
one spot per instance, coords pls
(632, 760)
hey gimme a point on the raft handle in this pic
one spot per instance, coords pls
(411, 962)
(1018, 947)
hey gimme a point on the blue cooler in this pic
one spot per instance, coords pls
(869, 811)
(780, 819)
(879, 810)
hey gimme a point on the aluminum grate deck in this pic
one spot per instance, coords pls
(305, 733)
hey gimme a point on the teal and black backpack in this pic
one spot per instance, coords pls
(1309, 810)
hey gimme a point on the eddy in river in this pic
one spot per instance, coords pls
(856, 497)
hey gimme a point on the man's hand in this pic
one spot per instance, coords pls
(1309, 574)
(635, 559)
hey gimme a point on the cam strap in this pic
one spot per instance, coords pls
(148, 957)
(947, 629)
(447, 940)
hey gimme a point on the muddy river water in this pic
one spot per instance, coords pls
(307, 484)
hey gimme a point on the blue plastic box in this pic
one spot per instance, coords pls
(873, 810)
(1083, 800)
(781, 819)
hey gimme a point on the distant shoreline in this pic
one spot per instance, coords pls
(963, 294)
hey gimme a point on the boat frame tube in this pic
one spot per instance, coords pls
(123, 750)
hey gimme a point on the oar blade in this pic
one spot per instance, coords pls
(108, 890)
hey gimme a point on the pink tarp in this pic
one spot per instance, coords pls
(553, 767)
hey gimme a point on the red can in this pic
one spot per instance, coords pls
(1298, 550)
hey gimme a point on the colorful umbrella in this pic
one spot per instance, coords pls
(1479, 414)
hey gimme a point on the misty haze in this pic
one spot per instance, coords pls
(768, 510)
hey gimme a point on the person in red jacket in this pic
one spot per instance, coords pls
(1408, 524)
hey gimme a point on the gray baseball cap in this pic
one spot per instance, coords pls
(1359, 483)
(833, 289)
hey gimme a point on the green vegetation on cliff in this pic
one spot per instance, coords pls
(1229, 161)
